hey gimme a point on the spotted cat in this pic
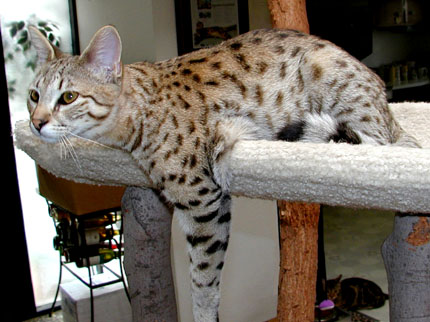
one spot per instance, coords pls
(180, 118)
(354, 293)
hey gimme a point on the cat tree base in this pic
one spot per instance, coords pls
(382, 177)
(406, 254)
(147, 235)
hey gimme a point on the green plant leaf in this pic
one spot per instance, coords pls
(26, 46)
(43, 32)
(24, 37)
(31, 64)
(13, 30)
(20, 25)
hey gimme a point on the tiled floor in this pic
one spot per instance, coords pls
(352, 243)
(353, 239)
(57, 316)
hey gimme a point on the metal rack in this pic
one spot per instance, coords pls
(88, 241)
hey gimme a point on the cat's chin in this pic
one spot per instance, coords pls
(45, 137)
(48, 139)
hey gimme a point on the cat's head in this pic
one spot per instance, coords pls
(333, 289)
(75, 95)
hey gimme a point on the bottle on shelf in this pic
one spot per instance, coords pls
(104, 255)
(90, 255)
(98, 235)
(100, 221)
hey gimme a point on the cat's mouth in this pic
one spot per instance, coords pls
(47, 132)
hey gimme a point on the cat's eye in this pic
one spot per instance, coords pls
(34, 96)
(68, 97)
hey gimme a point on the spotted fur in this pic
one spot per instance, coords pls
(181, 118)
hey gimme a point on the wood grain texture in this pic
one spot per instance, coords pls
(298, 221)
(299, 255)
(289, 14)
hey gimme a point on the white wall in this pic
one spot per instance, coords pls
(164, 23)
(249, 282)
(259, 15)
(147, 27)
(250, 276)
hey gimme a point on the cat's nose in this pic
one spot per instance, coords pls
(39, 123)
(40, 117)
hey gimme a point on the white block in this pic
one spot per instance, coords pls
(110, 303)
(249, 282)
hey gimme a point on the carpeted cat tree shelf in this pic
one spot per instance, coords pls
(357, 176)
(381, 177)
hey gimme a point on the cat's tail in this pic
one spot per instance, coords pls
(404, 139)
(401, 137)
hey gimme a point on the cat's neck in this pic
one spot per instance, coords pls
(138, 89)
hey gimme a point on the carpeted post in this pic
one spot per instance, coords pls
(147, 233)
(406, 254)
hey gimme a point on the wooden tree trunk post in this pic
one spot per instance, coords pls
(406, 254)
(289, 14)
(298, 221)
(147, 233)
(299, 254)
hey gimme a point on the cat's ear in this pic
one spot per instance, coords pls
(104, 52)
(44, 49)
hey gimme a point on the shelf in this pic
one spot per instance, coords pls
(405, 28)
(409, 84)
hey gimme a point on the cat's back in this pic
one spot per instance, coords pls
(253, 51)
(270, 43)
(276, 43)
(271, 54)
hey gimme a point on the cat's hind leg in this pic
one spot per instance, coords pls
(207, 230)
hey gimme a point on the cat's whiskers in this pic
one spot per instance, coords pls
(89, 140)
(63, 151)
(69, 149)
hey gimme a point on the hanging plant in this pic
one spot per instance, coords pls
(20, 42)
